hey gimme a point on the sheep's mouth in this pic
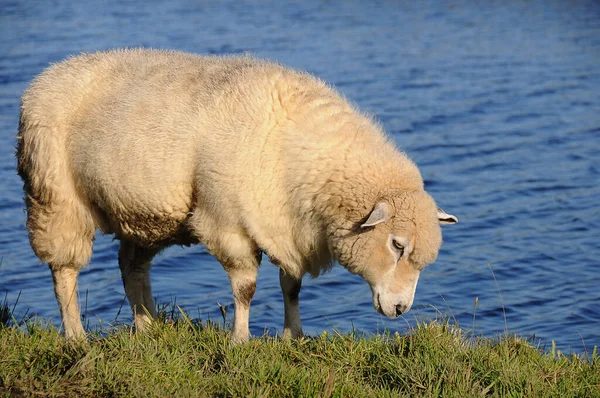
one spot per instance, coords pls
(378, 305)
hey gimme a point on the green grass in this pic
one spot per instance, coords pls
(182, 357)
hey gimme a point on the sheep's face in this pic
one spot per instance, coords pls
(399, 238)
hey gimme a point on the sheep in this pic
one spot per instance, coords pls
(240, 154)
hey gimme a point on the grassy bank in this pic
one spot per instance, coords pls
(185, 358)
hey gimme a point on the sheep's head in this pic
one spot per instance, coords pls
(391, 245)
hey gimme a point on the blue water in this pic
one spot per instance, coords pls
(497, 102)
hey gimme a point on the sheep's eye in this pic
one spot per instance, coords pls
(400, 247)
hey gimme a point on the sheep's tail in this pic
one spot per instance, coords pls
(61, 229)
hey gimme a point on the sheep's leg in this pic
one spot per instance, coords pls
(134, 262)
(242, 272)
(243, 286)
(65, 289)
(290, 287)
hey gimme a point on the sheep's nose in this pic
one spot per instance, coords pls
(400, 309)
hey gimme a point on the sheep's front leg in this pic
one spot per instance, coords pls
(290, 287)
(134, 262)
(243, 286)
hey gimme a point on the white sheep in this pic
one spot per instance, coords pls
(242, 155)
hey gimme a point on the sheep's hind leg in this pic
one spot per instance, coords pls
(62, 235)
(65, 289)
(134, 262)
(290, 287)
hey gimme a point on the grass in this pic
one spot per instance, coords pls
(183, 357)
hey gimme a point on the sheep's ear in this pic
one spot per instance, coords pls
(446, 218)
(381, 213)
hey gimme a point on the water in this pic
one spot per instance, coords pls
(498, 103)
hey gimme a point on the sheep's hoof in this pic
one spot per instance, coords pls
(239, 338)
(289, 334)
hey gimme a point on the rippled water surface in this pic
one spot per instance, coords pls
(498, 103)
